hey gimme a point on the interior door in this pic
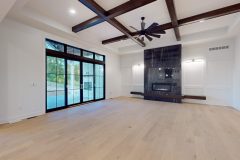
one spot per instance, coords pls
(88, 81)
(73, 82)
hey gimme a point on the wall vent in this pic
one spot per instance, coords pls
(218, 48)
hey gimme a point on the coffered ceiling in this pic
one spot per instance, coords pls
(57, 12)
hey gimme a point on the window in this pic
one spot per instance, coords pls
(99, 57)
(73, 50)
(88, 54)
(54, 46)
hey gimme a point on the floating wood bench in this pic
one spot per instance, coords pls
(195, 97)
(176, 97)
(137, 93)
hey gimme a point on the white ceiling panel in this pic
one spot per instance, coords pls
(107, 4)
(58, 10)
(99, 32)
(211, 24)
(187, 8)
(122, 43)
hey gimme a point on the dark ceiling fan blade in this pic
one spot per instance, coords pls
(154, 35)
(158, 31)
(143, 25)
(148, 37)
(134, 28)
(152, 26)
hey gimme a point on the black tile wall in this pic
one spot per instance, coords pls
(162, 74)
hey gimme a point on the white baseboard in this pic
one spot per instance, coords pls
(22, 117)
(3, 121)
(236, 107)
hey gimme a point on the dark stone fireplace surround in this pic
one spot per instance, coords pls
(162, 74)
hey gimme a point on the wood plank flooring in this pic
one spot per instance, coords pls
(126, 129)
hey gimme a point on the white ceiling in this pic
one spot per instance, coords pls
(5, 6)
(58, 11)
(186, 8)
(107, 5)
(211, 24)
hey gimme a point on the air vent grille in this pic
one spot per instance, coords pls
(218, 48)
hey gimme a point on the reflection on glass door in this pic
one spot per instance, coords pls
(99, 81)
(88, 82)
(73, 82)
(55, 82)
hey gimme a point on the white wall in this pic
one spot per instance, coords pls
(3, 81)
(113, 76)
(22, 56)
(132, 73)
(236, 88)
(212, 76)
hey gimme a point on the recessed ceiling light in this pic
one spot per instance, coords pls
(72, 11)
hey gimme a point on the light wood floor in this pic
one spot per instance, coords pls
(126, 129)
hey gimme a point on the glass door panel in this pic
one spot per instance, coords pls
(88, 82)
(73, 82)
(55, 83)
(99, 81)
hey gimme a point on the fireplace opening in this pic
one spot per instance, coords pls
(164, 87)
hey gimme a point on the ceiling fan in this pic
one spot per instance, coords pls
(153, 30)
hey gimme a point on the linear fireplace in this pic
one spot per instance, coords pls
(163, 87)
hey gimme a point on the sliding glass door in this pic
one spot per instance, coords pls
(88, 82)
(55, 83)
(73, 76)
(66, 85)
(73, 82)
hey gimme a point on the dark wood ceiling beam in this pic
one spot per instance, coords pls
(127, 7)
(173, 16)
(117, 11)
(87, 24)
(102, 13)
(189, 20)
